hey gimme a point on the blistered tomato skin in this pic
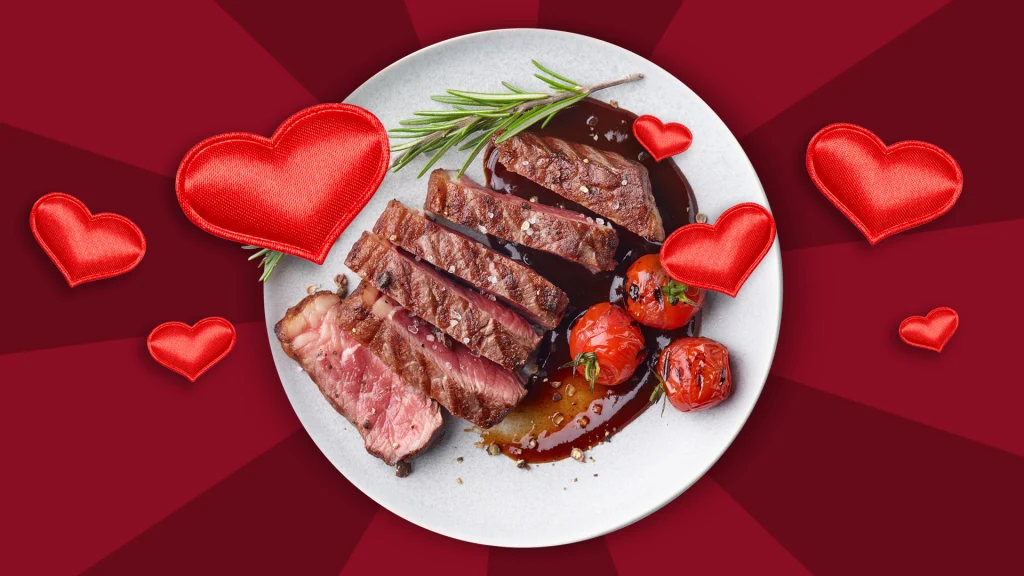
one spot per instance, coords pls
(695, 373)
(609, 333)
(655, 300)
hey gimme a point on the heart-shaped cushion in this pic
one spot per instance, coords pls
(661, 140)
(83, 246)
(191, 350)
(882, 190)
(295, 192)
(932, 331)
(720, 257)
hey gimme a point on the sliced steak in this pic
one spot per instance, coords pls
(485, 326)
(469, 386)
(563, 233)
(513, 283)
(395, 419)
(607, 183)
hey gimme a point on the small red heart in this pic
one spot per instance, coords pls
(295, 192)
(931, 332)
(661, 140)
(85, 247)
(720, 257)
(191, 350)
(882, 190)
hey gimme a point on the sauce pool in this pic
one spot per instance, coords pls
(560, 412)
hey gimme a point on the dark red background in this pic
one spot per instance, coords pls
(863, 455)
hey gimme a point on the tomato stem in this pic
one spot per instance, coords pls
(675, 292)
(591, 368)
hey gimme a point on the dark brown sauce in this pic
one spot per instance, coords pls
(584, 419)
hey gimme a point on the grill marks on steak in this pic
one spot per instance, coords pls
(396, 420)
(515, 284)
(606, 182)
(486, 327)
(561, 232)
(469, 386)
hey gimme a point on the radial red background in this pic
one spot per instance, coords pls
(863, 455)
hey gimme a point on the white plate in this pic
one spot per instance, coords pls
(651, 461)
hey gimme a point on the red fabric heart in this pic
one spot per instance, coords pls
(191, 350)
(85, 247)
(295, 192)
(931, 332)
(882, 190)
(661, 140)
(720, 257)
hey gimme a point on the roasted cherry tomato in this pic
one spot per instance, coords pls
(693, 373)
(655, 299)
(606, 345)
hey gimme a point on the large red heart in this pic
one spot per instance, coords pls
(931, 332)
(295, 192)
(84, 246)
(661, 140)
(191, 350)
(882, 190)
(720, 257)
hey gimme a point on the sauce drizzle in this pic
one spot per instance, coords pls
(560, 412)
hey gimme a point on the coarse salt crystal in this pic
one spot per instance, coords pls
(465, 340)
(600, 221)
(490, 214)
(584, 189)
(451, 269)
(525, 225)
(492, 279)
(430, 337)
(482, 229)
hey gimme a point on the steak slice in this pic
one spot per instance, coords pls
(469, 386)
(563, 233)
(486, 327)
(396, 420)
(513, 283)
(607, 183)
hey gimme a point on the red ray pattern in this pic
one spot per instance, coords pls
(330, 47)
(851, 490)
(956, 95)
(750, 60)
(440, 20)
(106, 442)
(634, 28)
(137, 81)
(185, 275)
(840, 330)
(287, 512)
(391, 545)
(589, 557)
(703, 531)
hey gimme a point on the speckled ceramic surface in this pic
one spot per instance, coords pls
(655, 458)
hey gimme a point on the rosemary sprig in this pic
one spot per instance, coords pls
(477, 116)
(269, 261)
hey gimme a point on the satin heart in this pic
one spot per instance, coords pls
(932, 331)
(85, 247)
(882, 190)
(720, 257)
(661, 140)
(191, 350)
(295, 192)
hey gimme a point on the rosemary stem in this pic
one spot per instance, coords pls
(528, 105)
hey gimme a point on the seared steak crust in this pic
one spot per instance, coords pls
(563, 233)
(396, 420)
(607, 183)
(469, 386)
(486, 327)
(515, 284)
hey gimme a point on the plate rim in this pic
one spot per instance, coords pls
(775, 262)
